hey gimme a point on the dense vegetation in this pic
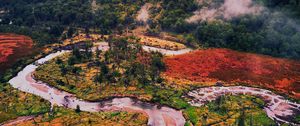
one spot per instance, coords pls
(252, 34)
(267, 33)
(67, 117)
(273, 32)
(95, 75)
(230, 110)
(292, 6)
(173, 15)
(45, 20)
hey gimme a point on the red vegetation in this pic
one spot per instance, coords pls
(12, 47)
(231, 66)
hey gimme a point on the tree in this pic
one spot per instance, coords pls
(215, 34)
(88, 50)
(76, 57)
(76, 52)
(76, 71)
(77, 110)
(58, 61)
(99, 78)
(115, 76)
(251, 120)
(64, 71)
(56, 30)
(98, 52)
(70, 32)
(157, 65)
(241, 120)
(104, 69)
(72, 60)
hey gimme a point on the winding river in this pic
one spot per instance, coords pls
(277, 108)
(24, 81)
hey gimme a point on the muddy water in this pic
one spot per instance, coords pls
(24, 81)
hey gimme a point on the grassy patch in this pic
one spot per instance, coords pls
(61, 116)
(15, 103)
(84, 86)
(229, 110)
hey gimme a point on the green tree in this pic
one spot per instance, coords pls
(76, 71)
(157, 65)
(64, 71)
(77, 110)
(71, 31)
(241, 120)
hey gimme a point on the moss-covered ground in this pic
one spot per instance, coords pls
(66, 117)
(15, 103)
(230, 110)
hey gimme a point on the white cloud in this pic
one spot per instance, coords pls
(228, 10)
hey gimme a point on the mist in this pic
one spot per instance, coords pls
(227, 10)
(276, 32)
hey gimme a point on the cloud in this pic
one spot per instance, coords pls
(228, 10)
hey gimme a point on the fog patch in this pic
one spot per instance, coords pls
(227, 10)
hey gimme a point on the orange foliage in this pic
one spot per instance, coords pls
(12, 47)
(161, 43)
(231, 66)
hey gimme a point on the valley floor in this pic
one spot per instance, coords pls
(218, 110)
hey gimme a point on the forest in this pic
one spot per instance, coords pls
(267, 33)
(273, 32)
(45, 20)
